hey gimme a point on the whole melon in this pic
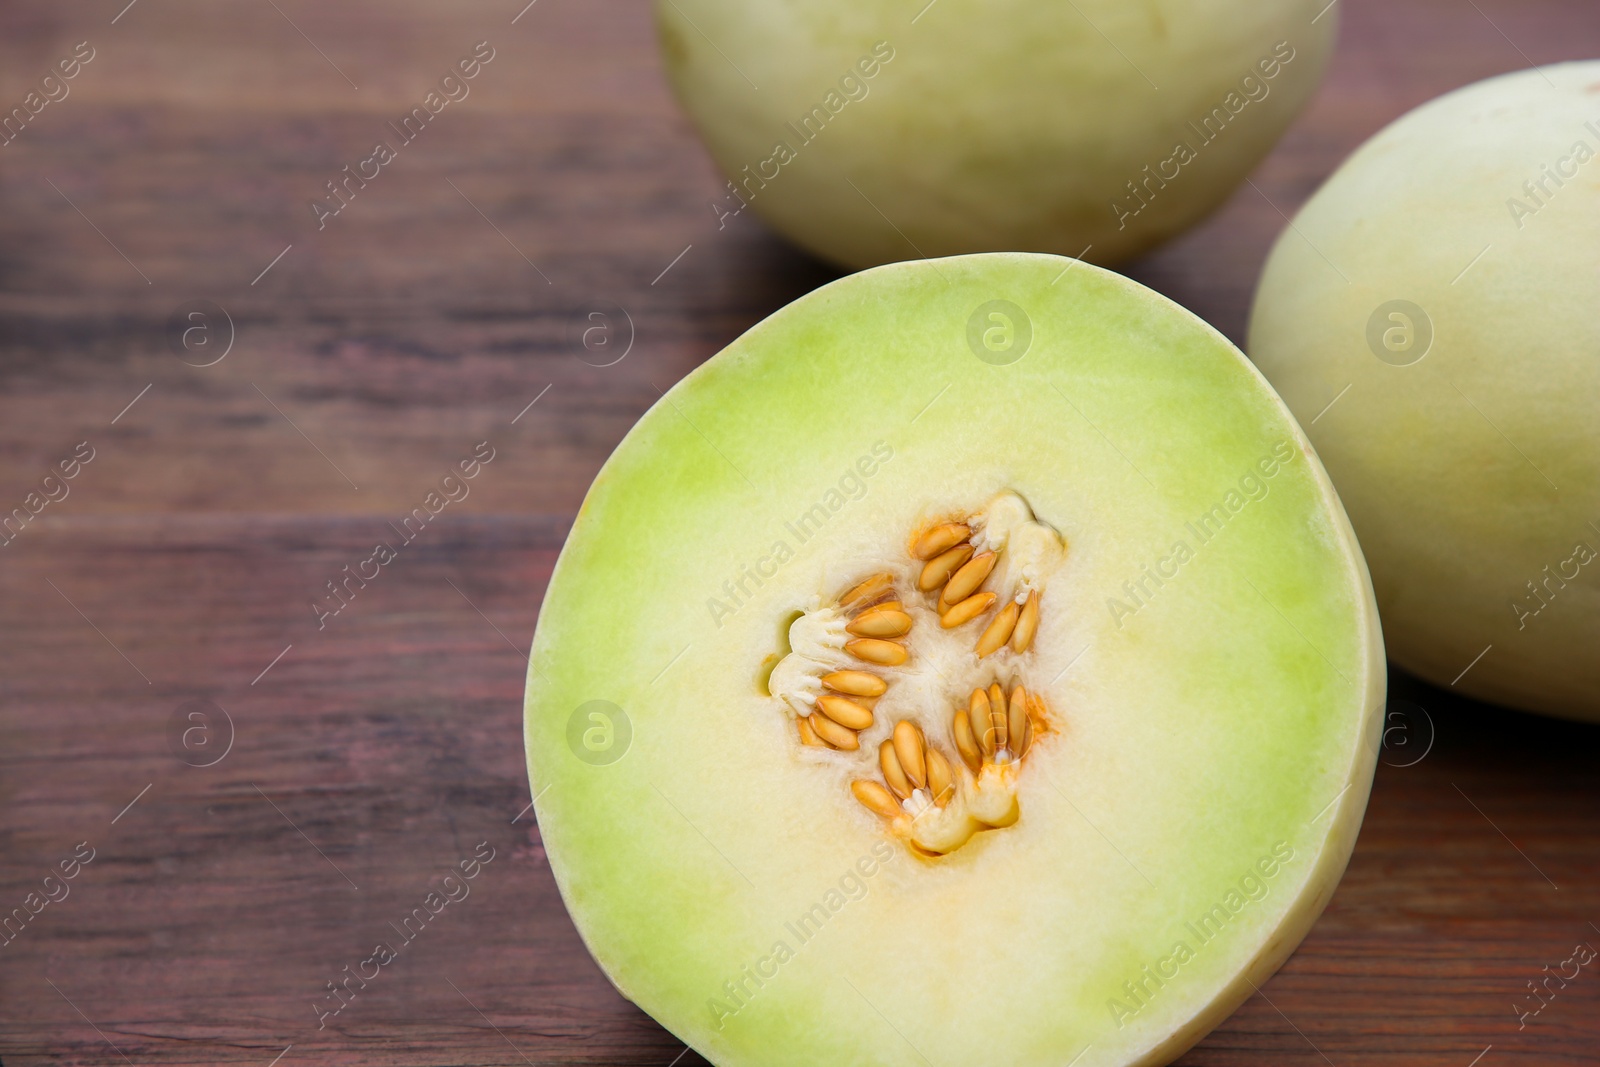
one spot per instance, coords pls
(1433, 318)
(869, 132)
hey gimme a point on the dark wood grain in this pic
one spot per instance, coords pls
(384, 747)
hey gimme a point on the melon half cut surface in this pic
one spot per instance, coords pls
(972, 664)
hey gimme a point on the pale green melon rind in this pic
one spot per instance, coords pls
(652, 853)
(1469, 472)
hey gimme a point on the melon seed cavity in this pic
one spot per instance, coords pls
(935, 776)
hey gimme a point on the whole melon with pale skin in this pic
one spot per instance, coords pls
(871, 132)
(1433, 317)
(970, 664)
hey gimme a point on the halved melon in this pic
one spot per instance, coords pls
(971, 664)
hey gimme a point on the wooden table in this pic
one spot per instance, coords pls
(371, 754)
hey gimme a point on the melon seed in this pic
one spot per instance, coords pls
(889, 763)
(838, 736)
(876, 650)
(876, 798)
(997, 715)
(938, 570)
(966, 744)
(999, 630)
(964, 582)
(882, 621)
(978, 712)
(869, 590)
(941, 783)
(967, 610)
(940, 539)
(845, 712)
(808, 736)
(1027, 624)
(908, 748)
(1017, 722)
(855, 683)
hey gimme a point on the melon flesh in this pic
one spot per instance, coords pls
(1207, 659)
